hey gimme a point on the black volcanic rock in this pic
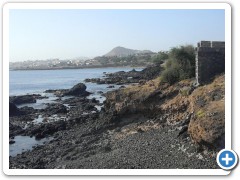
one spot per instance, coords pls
(78, 90)
(133, 76)
(55, 108)
(13, 110)
(43, 130)
(23, 99)
(14, 129)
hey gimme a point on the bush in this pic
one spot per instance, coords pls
(170, 75)
(184, 56)
(180, 65)
(200, 114)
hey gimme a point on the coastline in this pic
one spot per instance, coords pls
(147, 118)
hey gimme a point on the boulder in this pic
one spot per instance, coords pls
(23, 99)
(78, 90)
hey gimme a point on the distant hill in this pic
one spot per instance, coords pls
(122, 52)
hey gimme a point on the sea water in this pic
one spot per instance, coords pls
(23, 82)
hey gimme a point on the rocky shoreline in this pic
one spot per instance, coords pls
(146, 125)
(122, 77)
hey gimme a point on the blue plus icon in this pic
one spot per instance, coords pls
(227, 159)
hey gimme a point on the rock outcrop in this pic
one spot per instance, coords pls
(55, 108)
(44, 130)
(200, 112)
(207, 126)
(24, 99)
(77, 90)
(132, 76)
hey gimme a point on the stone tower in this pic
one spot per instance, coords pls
(210, 60)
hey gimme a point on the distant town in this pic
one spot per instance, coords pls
(118, 56)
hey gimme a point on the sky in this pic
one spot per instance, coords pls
(66, 34)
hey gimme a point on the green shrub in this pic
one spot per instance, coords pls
(200, 114)
(180, 65)
(170, 75)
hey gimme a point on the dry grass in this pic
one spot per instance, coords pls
(138, 91)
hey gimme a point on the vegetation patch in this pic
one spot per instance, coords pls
(200, 114)
(180, 64)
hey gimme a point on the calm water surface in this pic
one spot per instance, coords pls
(37, 81)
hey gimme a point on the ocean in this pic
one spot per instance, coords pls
(37, 81)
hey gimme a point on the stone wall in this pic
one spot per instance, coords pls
(210, 60)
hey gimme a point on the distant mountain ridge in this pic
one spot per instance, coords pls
(122, 51)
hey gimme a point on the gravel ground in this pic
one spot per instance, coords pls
(155, 149)
(125, 147)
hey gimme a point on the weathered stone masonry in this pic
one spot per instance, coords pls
(210, 60)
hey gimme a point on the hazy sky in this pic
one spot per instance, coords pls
(44, 34)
